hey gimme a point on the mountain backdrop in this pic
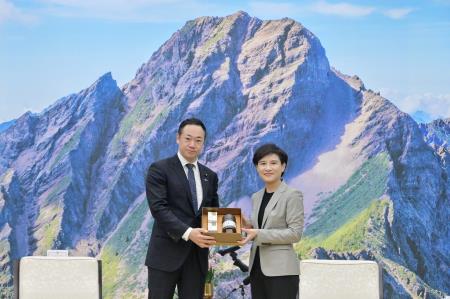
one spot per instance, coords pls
(376, 184)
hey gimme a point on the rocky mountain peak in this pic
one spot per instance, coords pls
(74, 173)
(437, 133)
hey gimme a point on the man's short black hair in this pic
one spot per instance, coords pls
(191, 121)
(268, 149)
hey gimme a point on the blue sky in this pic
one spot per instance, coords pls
(52, 48)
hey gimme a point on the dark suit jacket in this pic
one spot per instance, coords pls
(169, 198)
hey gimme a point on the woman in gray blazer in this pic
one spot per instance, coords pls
(277, 223)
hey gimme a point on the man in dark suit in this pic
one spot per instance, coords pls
(177, 188)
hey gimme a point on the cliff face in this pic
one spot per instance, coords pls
(48, 163)
(73, 175)
(393, 205)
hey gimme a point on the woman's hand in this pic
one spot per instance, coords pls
(251, 234)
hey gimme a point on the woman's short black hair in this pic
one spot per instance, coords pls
(268, 149)
(191, 121)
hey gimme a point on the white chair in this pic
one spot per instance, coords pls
(42, 277)
(340, 279)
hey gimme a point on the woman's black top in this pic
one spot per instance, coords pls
(262, 209)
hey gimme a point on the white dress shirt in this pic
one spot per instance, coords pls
(198, 186)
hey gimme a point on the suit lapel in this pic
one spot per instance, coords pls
(258, 201)
(179, 171)
(273, 202)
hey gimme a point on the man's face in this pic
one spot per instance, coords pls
(190, 142)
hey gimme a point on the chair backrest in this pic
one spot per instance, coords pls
(340, 279)
(39, 277)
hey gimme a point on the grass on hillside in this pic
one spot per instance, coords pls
(365, 185)
(351, 237)
(123, 255)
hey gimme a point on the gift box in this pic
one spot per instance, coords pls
(212, 220)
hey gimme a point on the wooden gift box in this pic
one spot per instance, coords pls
(223, 238)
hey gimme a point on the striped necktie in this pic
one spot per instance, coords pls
(192, 185)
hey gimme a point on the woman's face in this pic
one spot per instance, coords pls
(270, 168)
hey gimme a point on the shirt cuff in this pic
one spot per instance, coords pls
(186, 234)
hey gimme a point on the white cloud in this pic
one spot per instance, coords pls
(435, 105)
(134, 10)
(397, 13)
(342, 9)
(181, 10)
(9, 12)
(104, 3)
(272, 10)
(108, 5)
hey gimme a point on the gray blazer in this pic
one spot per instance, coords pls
(282, 226)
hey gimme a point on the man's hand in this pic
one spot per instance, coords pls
(251, 234)
(199, 237)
